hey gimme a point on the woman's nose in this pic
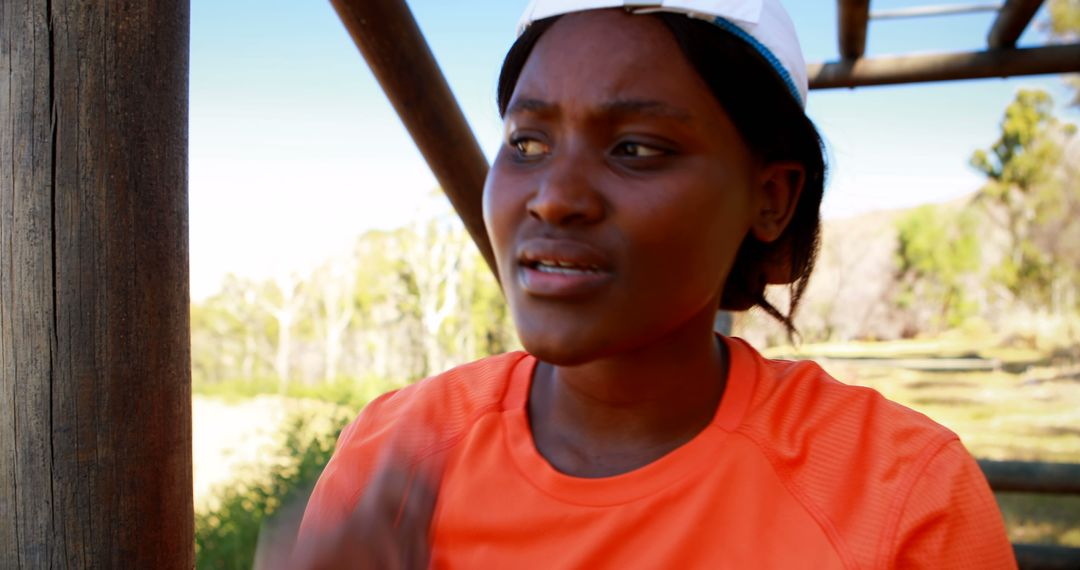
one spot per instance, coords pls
(566, 195)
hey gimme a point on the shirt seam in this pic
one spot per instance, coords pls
(495, 406)
(450, 442)
(932, 450)
(822, 520)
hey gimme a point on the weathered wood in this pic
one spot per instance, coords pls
(945, 67)
(1032, 477)
(853, 17)
(95, 381)
(1011, 23)
(395, 49)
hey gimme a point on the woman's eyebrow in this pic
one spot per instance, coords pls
(535, 106)
(646, 107)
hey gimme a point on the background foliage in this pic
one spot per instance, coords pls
(1000, 268)
(227, 533)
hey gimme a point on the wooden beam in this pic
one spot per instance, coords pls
(1011, 23)
(945, 67)
(1029, 477)
(935, 10)
(95, 373)
(1046, 557)
(853, 16)
(391, 42)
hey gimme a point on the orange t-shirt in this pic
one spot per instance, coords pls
(796, 471)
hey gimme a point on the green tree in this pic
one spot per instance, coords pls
(229, 335)
(403, 304)
(1065, 26)
(283, 298)
(1021, 192)
(936, 249)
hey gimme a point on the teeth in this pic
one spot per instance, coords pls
(565, 267)
(544, 268)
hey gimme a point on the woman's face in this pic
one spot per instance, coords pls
(621, 194)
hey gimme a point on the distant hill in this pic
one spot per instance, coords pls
(849, 295)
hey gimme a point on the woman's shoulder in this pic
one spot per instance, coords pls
(409, 429)
(436, 409)
(795, 399)
(872, 471)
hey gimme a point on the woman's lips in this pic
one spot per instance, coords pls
(556, 268)
(564, 284)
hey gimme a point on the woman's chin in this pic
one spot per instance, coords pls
(560, 351)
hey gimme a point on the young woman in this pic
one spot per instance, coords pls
(656, 168)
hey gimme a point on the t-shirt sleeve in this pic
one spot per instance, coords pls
(950, 518)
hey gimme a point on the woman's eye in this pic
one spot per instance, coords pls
(530, 147)
(638, 150)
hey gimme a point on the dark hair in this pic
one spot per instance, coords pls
(775, 128)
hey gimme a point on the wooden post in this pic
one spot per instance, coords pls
(1011, 23)
(853, 17)
(391, 42)
(95, 374)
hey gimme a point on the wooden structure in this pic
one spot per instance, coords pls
(1000, 59)
(95, 380)
(387, 35)
(95, 406)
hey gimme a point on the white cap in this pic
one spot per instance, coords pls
(764, 24)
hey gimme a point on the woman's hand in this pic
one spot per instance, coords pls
(388, 530)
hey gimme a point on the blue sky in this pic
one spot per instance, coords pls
(295, 150)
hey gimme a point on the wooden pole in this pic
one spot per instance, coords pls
(1011, 23)
(95, 374)
(853, 18)
(391, 42)
(1046, 557)
(1031, 477)
(934, 11)
(945, 67)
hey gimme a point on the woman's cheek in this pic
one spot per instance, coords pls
(502, 213)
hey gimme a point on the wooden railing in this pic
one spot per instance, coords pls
(1045, 478)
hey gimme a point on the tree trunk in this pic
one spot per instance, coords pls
(95, 368)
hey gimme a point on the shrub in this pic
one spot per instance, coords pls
(227, 532)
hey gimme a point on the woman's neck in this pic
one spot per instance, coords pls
(616, 414)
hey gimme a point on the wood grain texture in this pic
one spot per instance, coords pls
(95, 382)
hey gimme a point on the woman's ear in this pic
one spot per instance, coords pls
(779, 186)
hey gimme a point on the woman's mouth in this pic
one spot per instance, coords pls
(561, 269)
